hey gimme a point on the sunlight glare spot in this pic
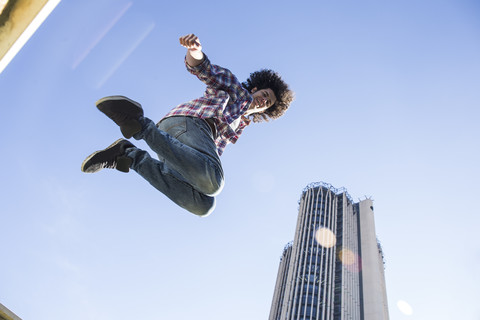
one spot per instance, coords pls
(347, 256)
(404, 307)
(126, 54)
(325, 237)
(350, 260)
(101, 35)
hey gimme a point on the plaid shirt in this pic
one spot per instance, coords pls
(225, 100)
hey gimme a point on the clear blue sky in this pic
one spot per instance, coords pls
(387, 106)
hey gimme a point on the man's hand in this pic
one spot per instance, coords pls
(194, 53)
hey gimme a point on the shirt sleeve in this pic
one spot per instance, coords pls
(213, 76)
(221, 79)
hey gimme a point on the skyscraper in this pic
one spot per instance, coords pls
(334, 268)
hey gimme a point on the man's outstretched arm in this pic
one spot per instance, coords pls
(194, 53)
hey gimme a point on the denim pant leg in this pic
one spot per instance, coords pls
(170, 183)
(189, 172)
(190, 150)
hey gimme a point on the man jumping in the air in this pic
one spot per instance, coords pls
(192, 136)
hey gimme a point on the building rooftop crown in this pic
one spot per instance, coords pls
(328, 186)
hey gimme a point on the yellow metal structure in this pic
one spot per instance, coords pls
(19, 19)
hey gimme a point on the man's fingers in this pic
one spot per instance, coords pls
(190, 41)
(187, 40)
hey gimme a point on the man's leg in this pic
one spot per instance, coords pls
(122, 155)
(170, 183)
(189, 147)
(186, 145)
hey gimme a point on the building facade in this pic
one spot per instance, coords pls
(334, 268)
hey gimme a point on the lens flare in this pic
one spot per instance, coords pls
(404, 307)
(325, 237)
(347, 256)
(350, 260)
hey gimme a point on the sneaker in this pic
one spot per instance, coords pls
(112, 157)
(124, 112)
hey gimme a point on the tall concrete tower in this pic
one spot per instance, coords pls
(334, 267)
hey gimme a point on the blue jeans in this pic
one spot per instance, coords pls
(188, 171)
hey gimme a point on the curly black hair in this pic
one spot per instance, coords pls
(268, 79)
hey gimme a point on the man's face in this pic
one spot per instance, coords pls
(262, 100)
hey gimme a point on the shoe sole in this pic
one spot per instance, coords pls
(129, 128)
(109, 98)
(122, 164)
